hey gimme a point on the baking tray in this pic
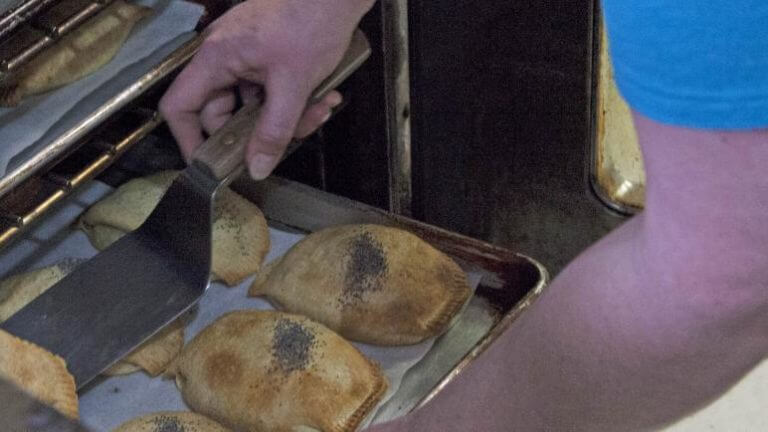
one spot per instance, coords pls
(510, 282)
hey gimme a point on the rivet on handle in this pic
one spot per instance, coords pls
(229, 139)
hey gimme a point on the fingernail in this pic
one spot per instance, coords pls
(335, 99)
(261, 165)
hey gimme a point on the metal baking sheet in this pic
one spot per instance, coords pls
(508, 282)
(111, 401)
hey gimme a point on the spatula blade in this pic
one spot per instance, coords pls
(115, 301)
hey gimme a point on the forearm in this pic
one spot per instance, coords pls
(595, 354)
(650, 323)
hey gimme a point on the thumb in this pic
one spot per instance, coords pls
(274, 129)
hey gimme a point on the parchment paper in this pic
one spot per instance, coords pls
(7, 4)
(110, 401)
(24, 125)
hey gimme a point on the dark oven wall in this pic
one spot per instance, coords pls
(500, 107)
(348, 156)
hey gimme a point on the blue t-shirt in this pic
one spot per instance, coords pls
(696, 63)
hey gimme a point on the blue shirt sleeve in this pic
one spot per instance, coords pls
(694, 63)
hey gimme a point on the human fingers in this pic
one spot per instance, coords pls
(286, 98)
(188, 94)
(217, 111)
(317, 114)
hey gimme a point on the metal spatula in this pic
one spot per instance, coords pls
(117, 300)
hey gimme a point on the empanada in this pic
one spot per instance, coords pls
(369, 283)
(153, 356)
(240, 233)
(38, 372)
(177, 421)
(18, 290)
(77, 54)
(268, 371)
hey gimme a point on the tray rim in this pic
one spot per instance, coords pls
(480, 249)
(249, 188)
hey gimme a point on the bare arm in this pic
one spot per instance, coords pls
(652, 322)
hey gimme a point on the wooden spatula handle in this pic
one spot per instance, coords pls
(223, 152)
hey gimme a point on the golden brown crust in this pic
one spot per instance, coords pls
(455, 281)
(154, 355)
(241, 237)
(379, 389)
(171, 421)
(18, 290)
(262, 277)
(121, 368)
(77, 54)
(38, 372)
(370, 283)
(271, 371)
(240, 232)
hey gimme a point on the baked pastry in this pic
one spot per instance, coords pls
(77, 54)
(41, 374)
(18, 290)
(270, 371)
(177, 421)
(240, 233)
(370, 283)
(153, 356)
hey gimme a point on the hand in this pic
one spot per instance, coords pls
(286, 46)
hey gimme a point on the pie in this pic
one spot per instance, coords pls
(369, 283)
(39, 373)
(178, 421)
(240, 233)
(270, 371)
